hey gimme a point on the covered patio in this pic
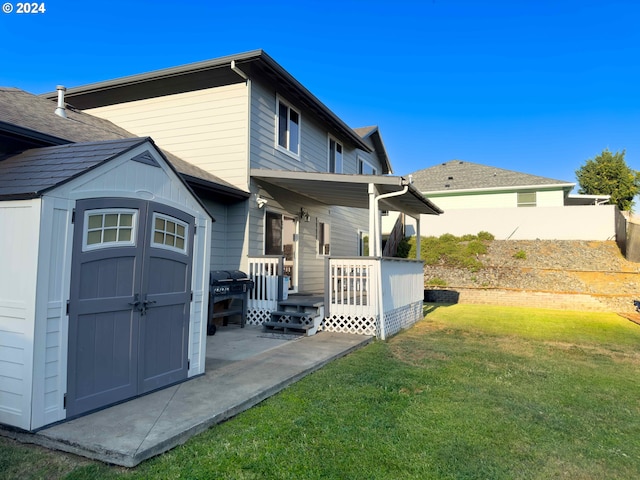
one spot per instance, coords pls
(368, 295)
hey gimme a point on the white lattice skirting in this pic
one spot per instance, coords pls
(350, 324)
(256, 316)
(401, 318)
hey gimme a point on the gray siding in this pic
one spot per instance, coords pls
(227, 239)
(314, 147)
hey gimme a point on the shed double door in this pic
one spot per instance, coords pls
(129, 303)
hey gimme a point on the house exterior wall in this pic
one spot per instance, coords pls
(208, 128)
(314, 141)
(508, 199)
(228, 246)
(314, 157)
(20, 224)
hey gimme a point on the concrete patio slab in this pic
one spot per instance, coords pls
(244, 367)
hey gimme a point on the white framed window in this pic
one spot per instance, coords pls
(527, 199)
(169, 233)
(109, 227)
(365, 168)
(323, 234)
(287, 128)
(335, 156)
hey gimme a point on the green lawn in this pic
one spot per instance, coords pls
(471, 392)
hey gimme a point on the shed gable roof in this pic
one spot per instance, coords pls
(33, 172)
(458, 175)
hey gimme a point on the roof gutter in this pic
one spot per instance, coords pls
(499, 189)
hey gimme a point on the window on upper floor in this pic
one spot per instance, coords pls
(288, 128)
(335, 156)
(526, 199)
(365, 168)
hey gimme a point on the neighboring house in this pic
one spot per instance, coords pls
(460, 184)
(484, 198)
(316, 185)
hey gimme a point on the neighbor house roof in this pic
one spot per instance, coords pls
(459, 176)
(208, 74)
(30, 119)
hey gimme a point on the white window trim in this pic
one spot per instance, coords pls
(164, 246)
(279, 147)
(109, 211)
(521, 204)
(338, 142)
(361, 159)
(319, 251)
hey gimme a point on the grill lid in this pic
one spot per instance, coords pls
(219, 276)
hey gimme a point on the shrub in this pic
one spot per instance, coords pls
(404, 247)
(520, 255)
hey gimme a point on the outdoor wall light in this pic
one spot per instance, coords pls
(261, 201)
(304, 214)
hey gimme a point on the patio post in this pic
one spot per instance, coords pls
(373, 237)
(418, 237)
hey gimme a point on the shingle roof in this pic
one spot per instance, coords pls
(37, 114)
(458, 175)
(33, 172)
(29, 111)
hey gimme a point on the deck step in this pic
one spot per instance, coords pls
(284, 326)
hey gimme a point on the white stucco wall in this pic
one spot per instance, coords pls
(545, 223)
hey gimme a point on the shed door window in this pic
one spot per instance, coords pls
(109, 228)
(169, 232)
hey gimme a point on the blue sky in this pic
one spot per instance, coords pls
(534, 86)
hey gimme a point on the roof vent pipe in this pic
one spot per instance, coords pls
(60, 110)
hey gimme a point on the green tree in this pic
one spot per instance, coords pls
(608, 174)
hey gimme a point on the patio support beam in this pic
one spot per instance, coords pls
(418, 237)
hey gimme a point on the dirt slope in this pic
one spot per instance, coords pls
(546, 265)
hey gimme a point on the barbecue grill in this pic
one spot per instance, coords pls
(227, 286)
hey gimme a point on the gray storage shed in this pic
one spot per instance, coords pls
(103, 293)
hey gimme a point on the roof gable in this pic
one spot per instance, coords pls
(33, 172)
(208, 74)
(372, 134)
(458, 175)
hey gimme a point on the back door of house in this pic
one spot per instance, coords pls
(129, 303)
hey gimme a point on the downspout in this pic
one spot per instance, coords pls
(248, 210)
(378, 247)
(398, 193)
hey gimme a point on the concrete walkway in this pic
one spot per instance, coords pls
(244, 367)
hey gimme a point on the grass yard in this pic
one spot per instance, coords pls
(471, 392)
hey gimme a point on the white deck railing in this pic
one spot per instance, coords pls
(263, 298)
(373, 296)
